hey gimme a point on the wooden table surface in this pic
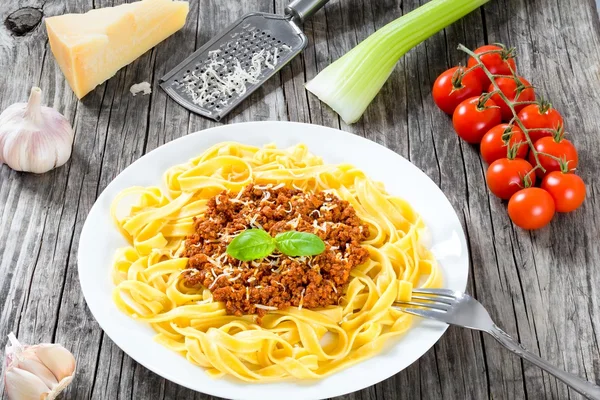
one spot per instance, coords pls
(542, 287)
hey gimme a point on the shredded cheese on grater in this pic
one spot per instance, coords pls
(218, 82)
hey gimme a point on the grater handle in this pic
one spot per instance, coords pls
(301, 10)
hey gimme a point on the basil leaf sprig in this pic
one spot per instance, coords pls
(253, 244)
(296, 244)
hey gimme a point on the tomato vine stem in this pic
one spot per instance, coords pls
(510, 104)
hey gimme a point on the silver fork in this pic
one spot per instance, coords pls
(457, 308)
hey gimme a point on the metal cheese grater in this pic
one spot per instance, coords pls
(227, 69)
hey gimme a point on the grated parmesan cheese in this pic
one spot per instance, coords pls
(216, 279)
(301, 299)
(278, 270)
(143, 87)
(221, 258)
(253, 222)
(218, 82)
(263, 187)
(281, 284)
(263, 307)
(291, 208)
(319, 227)
(213, 262)
(328, 207)
(294, 223)
(266, 197)
(333, 286)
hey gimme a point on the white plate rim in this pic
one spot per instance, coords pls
(452, 250)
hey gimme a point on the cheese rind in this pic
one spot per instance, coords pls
(90, 48)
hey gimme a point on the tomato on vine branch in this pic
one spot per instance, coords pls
(516, 90)
(552, 151)
(531, 208)
(541, 119)
(497, 59)
(474, 117)
(499, 141)
(453, 86)
(507, 176)
(567, 190)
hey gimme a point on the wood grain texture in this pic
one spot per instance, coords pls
(542, 287)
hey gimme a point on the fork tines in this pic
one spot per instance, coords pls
(436, 292)
(436, 299)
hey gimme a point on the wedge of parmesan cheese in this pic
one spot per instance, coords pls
(90, 48)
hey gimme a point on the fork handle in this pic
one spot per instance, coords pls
(301, 10)
(582, 386)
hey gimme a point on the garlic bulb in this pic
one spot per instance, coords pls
(34, 138)
(38, 372)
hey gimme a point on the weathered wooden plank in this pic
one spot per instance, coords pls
(34, 233)
(549, 269)
(460, 163)
(162, 118)
(390, 126)
(457, 368)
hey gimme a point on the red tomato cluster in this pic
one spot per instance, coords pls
(484, 118)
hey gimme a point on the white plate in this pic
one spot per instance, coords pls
(100, 239)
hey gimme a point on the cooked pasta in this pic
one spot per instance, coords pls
(294, 342)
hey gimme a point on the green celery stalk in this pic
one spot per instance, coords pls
(349, 84)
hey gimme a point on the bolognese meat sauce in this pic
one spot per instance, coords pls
(277, 281)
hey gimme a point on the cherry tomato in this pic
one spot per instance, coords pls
(472, 118)
(567, 190)
(562, 149)
(496, 142)
(505, 176)
(453, 86)
(531, 208)
(499, 63)
(537, 116)
(511, 89)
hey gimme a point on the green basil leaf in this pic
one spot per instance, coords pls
(251, 244)
(297, 244)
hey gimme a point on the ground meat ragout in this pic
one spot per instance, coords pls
(277, 281)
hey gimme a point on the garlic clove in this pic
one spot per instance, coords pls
(62, 385)
(38, 369)
(38, 372)
(23, 385)
(57, 359)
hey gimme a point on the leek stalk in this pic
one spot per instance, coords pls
(349, 84)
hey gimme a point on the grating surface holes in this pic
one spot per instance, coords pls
(215, 81)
